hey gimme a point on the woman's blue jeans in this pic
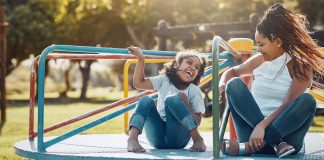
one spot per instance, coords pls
(290, 126)
(174, 133)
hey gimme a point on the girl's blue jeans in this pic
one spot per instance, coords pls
(290, 126)
(174, 133)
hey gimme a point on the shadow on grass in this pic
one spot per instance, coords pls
(61, 101)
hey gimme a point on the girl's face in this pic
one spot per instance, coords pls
(270, 50)
(188, 69)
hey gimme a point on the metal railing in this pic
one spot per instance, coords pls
(82, 52)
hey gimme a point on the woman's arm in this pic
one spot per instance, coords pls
(139, 80)
(245, 68)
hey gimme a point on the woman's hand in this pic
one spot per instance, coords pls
(136, 51)
(256, 142)
(221, 87)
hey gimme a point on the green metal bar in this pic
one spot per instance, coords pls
(216, 142)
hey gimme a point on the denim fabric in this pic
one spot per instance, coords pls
(174, 133)
(290, 126)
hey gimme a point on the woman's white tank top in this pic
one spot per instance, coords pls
(270, 83)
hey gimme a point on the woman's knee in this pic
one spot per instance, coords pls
(308, 101)
(235, 84)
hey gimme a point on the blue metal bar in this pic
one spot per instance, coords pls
(102, 50)
(215, 52)
(40, 89)
(227, 63)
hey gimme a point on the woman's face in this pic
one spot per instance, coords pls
(270, 50)
(188, 69)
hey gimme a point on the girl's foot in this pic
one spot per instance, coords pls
(198, 146)
(134, 146)
(284, 149)
(234, 148)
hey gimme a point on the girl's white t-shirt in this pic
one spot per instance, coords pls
(165, 88)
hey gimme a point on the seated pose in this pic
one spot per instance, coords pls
(274, 116)
(171, 121)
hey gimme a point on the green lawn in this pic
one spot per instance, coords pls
(16, 126)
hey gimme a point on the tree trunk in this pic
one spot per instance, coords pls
(63, 94)
(85, 70)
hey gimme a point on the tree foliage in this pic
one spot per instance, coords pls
(35, 24)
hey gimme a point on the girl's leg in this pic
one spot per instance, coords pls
(180, 125)
(295, 121)
(145, 113)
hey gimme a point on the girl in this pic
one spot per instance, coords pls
(175, 118)
(274, 116)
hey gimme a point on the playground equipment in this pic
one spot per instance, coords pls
(42, 148)
(73, 146)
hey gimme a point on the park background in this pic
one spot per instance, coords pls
(35, 24)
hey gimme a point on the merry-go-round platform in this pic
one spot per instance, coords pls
(113, 146)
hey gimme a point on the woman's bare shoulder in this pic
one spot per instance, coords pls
(254, 61)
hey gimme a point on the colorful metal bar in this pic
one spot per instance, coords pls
(45, 55)
(79, 49)
(215, 51)
(32, 134)
(97, 111)
(91, 124)
(32, 97)
(98, 56)
(105, 50)
(318, 85)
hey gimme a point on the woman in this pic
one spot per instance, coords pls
(274, 116)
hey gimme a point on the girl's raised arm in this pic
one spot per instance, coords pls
(139, 80)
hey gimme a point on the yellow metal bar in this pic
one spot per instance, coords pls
(126, 67)
(316, 95)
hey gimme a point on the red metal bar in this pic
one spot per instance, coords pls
(318, 85)
(98, 56)
(32, 97)
(247, 80)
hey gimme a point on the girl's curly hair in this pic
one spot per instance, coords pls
(171, 72)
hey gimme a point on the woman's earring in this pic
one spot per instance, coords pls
(279, 46)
